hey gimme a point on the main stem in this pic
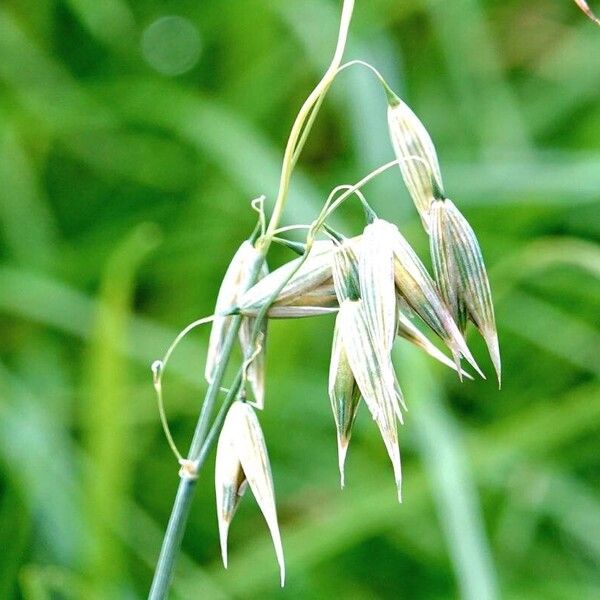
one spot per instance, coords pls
(198, 448)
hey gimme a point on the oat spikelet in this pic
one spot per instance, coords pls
(245, 442)
(418, 159)
(234, 284)
(376, 275)
(344, 396)
(315, 270)
(368, 357)
(375, 380)
(228, 293)
(461, 274)
(417, 288)
(230, 483)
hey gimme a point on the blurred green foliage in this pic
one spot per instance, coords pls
(132, 137)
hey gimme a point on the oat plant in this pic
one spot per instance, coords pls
(376, 285)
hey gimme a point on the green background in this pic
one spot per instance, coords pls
(129, 152)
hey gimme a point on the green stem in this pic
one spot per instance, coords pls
(203, 438)
(213, 390)
(304, 113)
(391, 96)
(172, 540)
(306, 129)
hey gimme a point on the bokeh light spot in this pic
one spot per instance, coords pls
(171, 45)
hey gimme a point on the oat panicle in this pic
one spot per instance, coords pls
(374, 283)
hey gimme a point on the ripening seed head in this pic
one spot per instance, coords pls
(376, 276)
(461, 275)
(242, 442)
(418, 159)
(368, 355)
(344, 396)
(374, 376)
(230, 484)
(416, 288)
(230, 290)
(234, 284)
(314, 272)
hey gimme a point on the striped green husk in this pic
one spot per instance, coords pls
(244, 440)
(461, 274)
(418, 159)
(344, 395)
(374, 377)
(376, 275)
(418, 289)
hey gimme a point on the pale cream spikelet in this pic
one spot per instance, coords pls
(322, 296)
(375, 381)
(243, 440)
(344, 395)
(315, 271)
(230, 483)
(320, 300)
(417, 157)
(417, 288)
(234, 283)
(373, 374)
(378, 292)
(376, 278)
(461, 274)
(228, 294)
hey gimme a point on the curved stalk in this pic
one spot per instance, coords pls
(304, 113)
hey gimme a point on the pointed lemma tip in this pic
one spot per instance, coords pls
(223, 540)
(259, 401)
(474, 364)
(467, 375)
(278, 551)
(457, 367)
(498, 374)
(491, 340)
(281, 563)
(498, 369)
(342, 450)
(398, 478)
(459, 347)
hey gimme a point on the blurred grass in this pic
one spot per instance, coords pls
(109, 448)
(501, 488)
